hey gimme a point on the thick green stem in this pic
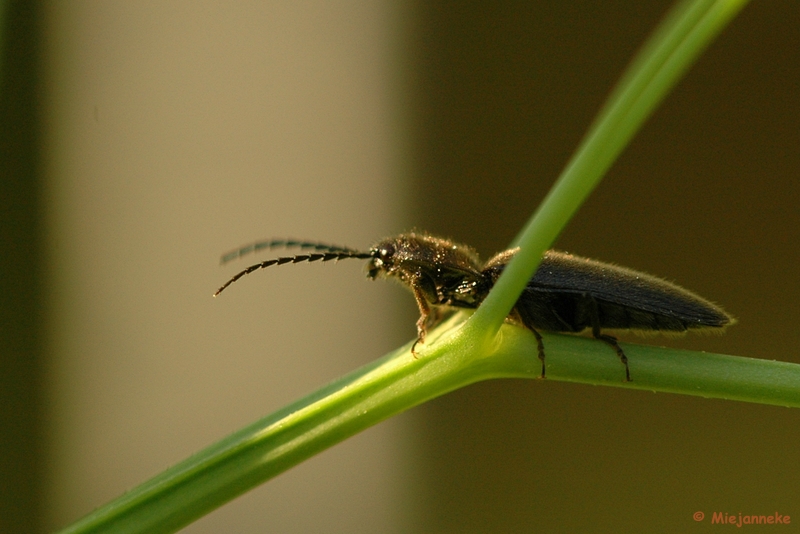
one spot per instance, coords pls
(400, 381)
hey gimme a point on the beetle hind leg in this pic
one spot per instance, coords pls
(611, 340)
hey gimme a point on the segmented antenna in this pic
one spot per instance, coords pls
(335, 254)
(280, 243)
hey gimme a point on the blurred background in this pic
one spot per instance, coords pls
(142, 140)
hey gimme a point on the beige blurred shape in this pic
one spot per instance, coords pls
(174, 132)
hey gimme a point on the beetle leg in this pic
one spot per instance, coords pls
(541, 348)
(424, 314)
(518, 318)
(610, 340)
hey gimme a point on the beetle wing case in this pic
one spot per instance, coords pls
(561, 295)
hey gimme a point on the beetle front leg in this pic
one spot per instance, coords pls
(424, 315)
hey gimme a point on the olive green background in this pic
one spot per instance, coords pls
(499, 95)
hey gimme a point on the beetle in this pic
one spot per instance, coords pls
(567, 293)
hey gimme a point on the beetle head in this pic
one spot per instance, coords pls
(383, 259)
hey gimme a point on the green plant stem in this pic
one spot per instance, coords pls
(397, 382)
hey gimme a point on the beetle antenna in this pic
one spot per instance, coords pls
(334, 254)
(279, 243)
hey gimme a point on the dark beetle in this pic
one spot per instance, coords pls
(567, 294)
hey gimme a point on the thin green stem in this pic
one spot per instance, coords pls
(667, 55)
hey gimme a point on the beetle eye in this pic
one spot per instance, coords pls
(386, 252)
